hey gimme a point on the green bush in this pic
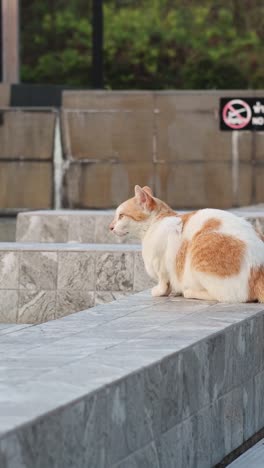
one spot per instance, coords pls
(149, 44)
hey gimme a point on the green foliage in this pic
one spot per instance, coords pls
(149, 44)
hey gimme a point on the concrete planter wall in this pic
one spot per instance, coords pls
(91, 152)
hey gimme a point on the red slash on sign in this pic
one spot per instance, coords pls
(237, 114)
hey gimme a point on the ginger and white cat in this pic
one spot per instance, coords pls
(206, 254)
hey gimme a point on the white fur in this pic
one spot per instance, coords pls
(162, 239)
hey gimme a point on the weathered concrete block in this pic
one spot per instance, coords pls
(25, 185)
(181, 186)
(201, 185)
(245, 183)
(259, 146)
(108, 100)
(4, 95)
(259, 174)
(112, 135)
(104, 185)
(188, 129)
(27, 134)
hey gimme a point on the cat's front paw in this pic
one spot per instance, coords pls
(159, 291)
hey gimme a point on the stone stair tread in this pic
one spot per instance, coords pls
(102, 370)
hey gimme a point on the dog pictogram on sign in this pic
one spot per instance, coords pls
(242, 114)
(236, 114)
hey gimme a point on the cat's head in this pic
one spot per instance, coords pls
(135, 215)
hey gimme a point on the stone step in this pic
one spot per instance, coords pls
(40, 282)
(87, 226)
(252, 458)
(140, 382)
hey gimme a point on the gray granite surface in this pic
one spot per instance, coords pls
(87, 226)
(90, 226)
(40, 282)
(140, 382)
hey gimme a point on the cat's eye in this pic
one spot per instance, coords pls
(121, 216)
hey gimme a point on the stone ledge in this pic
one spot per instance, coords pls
(158, 383)
(88, 226)
(41, 282)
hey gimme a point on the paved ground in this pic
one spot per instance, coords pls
(139, 382)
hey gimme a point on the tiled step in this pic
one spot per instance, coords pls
(140, 382)
(40, 282)
(252, 458)
(88, 226)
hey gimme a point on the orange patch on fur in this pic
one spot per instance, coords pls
(165, 214)
(212, 224)
(256, 285)
(181, 258)
(186, 217)
(217, 254)
(163, 210)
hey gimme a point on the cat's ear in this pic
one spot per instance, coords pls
(148, 190)
(144, 199)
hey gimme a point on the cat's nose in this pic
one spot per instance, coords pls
(111, 227)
